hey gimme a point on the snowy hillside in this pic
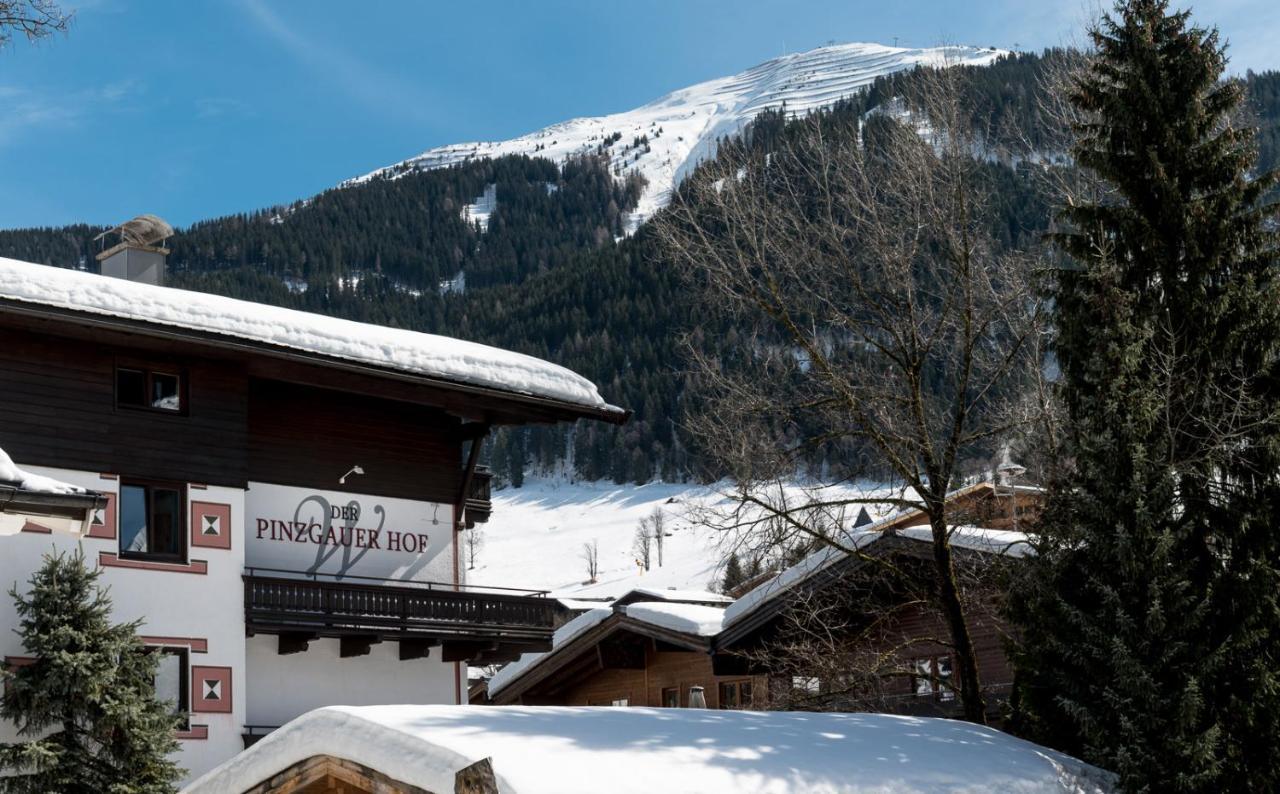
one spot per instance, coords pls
(534, 539)
(680, 128)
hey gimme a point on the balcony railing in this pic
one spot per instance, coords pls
(478, 506)
(280, 602)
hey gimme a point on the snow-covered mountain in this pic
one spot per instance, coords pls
(681, 128)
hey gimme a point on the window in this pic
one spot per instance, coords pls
(735, 694)
(151, 521)
(931, 677)
(171, 679)
(671, 698)
(621, 702)
(149, 389)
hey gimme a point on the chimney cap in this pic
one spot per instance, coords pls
(144, 231)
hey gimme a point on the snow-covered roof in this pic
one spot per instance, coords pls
(559, 750)
(693, 619)
(12, 475)
(428, 355)
(991, 541)
(696, 619)
(673, 594)
(562, 636)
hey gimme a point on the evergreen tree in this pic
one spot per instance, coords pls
(733, 574)
(1149, 620)
(87, 703)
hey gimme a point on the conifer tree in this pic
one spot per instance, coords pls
(1149, 620)
(86, 706)
(733, 574)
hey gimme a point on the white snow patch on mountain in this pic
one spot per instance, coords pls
(679, 130)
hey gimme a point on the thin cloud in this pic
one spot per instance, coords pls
(352, 76)
(29, 110)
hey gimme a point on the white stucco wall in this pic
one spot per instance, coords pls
(206, 606)
(267, 689)
(284, 687)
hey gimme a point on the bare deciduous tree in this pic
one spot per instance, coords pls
(591, 556)
(880, 317)
(656, 526)
(642, 545)
(474, 539)
(34, 19)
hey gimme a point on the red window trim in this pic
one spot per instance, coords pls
(195, 732)
(32, 526)
(107, 559)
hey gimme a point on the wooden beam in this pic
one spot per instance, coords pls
(476, 779)
(465, 651)
(349, 647)
(295, 642)
(416, 649)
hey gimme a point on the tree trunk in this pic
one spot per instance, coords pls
(966, 678)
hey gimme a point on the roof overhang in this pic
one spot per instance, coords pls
(531, 408)
(76, 506)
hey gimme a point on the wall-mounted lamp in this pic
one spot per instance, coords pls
(354, 470)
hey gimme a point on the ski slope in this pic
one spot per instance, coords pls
(535, 536)
(682, 126)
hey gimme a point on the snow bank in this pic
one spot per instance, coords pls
(10, 474)
(696, 619)
(556, 750)
(563, 635)
(392, 348)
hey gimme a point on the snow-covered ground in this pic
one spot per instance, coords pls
(681, 128)
(546, 749)
(536, 535)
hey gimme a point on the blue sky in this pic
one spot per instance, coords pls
(198, 108)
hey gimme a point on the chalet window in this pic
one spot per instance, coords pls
(154, 390)
(172, 679)
(735, 694)
(151, 521)
(931, 677)
(671, 698)
(621, 702)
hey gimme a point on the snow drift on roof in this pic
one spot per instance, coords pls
(696, 619)
(392, 348)
(10, 474)
(563, 635)
(672, 594)
(557, 750)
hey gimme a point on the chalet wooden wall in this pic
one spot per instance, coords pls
(681, 669)
(57, 400)
(910, 629)
(57, 397)
(308, 436)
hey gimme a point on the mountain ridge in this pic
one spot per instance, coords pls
(663, 140)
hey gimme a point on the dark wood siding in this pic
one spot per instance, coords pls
(308, 436)
(57, 399)
(679, 670)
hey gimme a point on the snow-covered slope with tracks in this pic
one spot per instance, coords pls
(681, 128)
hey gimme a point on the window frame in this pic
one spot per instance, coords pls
(149, 371)
(183, 706)
(937, 690)
(149, 487)
(740, 702)
(670, 690)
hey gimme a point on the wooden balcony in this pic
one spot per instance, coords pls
(479, 507)
(474, 625)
